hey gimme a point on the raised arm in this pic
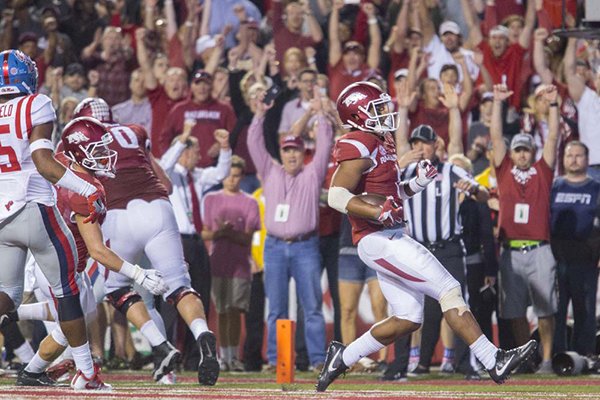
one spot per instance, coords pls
(467, 83)
(374, 52)
(539, 58)
(450, 100)
(214, 175)
(144, 61)
(204, 29)
(313, 25)
(335, 46)
(405, 97)
(171, 156)
(171, 18)
(475, 35)
(398, 33)
(256, 139)
(501, 93)
(525, 36)
(551, 144)
(427, 27)
(575, 83)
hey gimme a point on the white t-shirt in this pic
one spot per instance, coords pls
(440, 56)
(20, 182)
(588, 109)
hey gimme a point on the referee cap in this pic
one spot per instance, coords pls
(424, 133)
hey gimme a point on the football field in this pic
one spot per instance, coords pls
(133, 385)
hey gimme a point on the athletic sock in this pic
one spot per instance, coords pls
(24, 352)
(33, 312)
(448, 356)
(198, 326)
(485, 351)
(151, 332)
(83, 359)
(233, 352)
(157, 318)
(37, 364)
(224, 352)
(361, 347)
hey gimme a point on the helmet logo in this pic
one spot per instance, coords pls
(354, 98)
(77, 137)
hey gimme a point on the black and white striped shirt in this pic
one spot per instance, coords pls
(433, 213)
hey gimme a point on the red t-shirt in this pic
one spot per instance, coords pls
(510, 64)
(210, 116)
(524, 200)
(397, 61)
(382, 179)
(283, 37)
(134, 178)
(161, 105)
(69, 204)
(340, 77)
(175, 53)
(437, 118)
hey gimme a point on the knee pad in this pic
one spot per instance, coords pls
(454, 299)
(122, 299)
(59, 337)
(175, 297)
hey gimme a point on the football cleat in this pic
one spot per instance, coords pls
(509, 360)
(57, 371)
(208, 368)
(26, 378)
(94, 383)
(168, 379)
(334, 366)
(165, 357)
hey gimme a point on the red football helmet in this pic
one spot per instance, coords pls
(85, 141)
(364, 106)
(94, 107)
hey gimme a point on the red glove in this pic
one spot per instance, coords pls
(96, 207)
(391, 213)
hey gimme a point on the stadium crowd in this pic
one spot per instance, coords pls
(482, 88)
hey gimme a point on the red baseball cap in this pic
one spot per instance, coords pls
(291, 141)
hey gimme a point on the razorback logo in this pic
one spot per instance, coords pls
(354, 98)
(77, 137)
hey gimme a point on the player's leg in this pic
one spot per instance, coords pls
(378, 304)
(350, 282)
(53, 247)
(165, 252)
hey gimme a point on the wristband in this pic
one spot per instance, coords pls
(415, 186)
(372, 21)
(41, 144)
(129, 270)
(72, 182)
(555, 104)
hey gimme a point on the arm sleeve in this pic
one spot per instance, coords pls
(214, 175)
(256, 147)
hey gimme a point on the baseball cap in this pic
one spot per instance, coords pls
(204, 43)
(353, 45)
(402, 72)
(291, 141)
(499, 30)
(487, 96)
(522, 140)
(449, 26)
(27, 37)
(202, 75)
(74, 69)
(424, 133)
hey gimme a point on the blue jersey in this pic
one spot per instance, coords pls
(573, 208)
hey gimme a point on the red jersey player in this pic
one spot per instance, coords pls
(140, 220)
(405, 269)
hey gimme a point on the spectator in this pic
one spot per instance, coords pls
(347, 61)
(71, 84)
(224, 12)
(479, 135)
(230, 219)
(291, 193)
(588, 107)
(112, 57)
(299, 107)
(246, 55)
(136, 110)
(56, 46)
(163, 97)
(84, 25)
(209, 115)
(189, 183)
(287, 26)
(524, 191)
(574, 207)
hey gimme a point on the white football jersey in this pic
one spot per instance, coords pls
(20, 182)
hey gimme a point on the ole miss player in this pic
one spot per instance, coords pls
(140, 219)
(406, 270)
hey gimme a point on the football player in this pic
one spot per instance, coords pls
(29, 218)
(85, 143)
(139, 220)
(406, 270)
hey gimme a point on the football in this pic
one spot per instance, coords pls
(372, 198)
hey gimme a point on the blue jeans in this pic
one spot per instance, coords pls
(301, 261)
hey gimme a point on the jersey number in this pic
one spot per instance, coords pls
(125, 136)
(12, 164)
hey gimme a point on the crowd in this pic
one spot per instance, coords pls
(505, 111)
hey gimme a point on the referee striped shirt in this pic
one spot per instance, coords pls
(433, 213)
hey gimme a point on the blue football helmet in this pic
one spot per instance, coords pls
(18, 73)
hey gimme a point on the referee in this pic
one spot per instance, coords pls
(433, 217)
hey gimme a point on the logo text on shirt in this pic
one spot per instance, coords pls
(573, 198)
